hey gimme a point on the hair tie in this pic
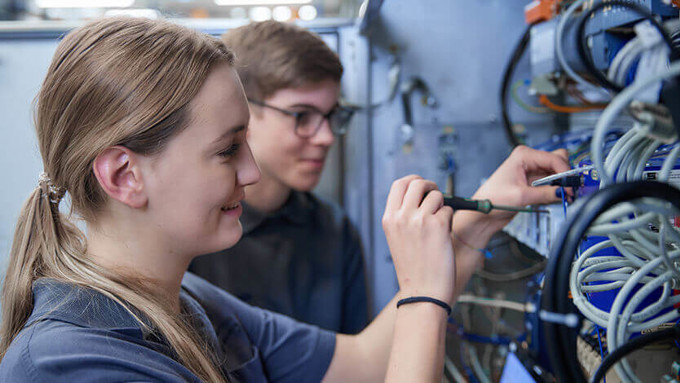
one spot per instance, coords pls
(437, 302)
(55, 193)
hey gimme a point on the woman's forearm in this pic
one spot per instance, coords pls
(418, 348)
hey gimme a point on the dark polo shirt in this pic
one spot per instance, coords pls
(305, 261)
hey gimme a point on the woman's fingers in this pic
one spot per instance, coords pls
(396, 196)
(416, 191)
(433, 202)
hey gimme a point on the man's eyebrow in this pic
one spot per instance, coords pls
(230, 133)
(308, 106)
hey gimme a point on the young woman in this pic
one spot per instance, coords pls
(143, 123)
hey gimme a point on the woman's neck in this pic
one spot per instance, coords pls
(129, 252)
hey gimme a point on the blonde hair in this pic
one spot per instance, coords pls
(116, 81)
(272, 55)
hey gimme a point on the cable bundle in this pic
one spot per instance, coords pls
(645, 264)
(624, 204)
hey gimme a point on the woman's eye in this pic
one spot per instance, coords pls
(230, 151)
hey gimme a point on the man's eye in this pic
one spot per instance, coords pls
(304, 118)
(230, 151)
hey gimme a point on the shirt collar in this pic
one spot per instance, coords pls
(298, 209)
(54, 299)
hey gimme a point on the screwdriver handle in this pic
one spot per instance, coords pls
(458, 203)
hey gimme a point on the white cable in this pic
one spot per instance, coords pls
(642, 164)
(597, 277)
(559, 49)
(627, 252)
(615, 107)
(620, 332)
(613, 152)
(669, 163)
(614, 159)
(622, 209)
(618, 69)
(636, 159)
(608, 228)
(491, 302)
(619, 303)
(547, 180)
(664, 252)
(451, 368)
(476, 366)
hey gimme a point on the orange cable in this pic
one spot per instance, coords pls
(544, 100)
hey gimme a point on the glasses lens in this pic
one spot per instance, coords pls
(308, 123)
(340, 118)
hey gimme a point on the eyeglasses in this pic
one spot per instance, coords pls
(308, 122)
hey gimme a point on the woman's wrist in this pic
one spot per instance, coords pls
(412, 300)
(473, 229)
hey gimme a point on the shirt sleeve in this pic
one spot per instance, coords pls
(290, 351)
(53, 351)
(354, 299)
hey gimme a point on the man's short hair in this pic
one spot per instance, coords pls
(271, 56)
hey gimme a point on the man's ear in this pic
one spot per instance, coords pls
(120, 175)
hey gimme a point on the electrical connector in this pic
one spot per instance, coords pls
(568, 181)
(654, 121)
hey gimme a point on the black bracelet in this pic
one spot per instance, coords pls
(437, 302)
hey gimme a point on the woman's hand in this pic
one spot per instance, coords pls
(418, 226)
(510, 184)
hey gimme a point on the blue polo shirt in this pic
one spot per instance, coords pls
(76, 334)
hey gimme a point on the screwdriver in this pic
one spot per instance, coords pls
(483, 205)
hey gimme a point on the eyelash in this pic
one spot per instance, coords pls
(229, 151)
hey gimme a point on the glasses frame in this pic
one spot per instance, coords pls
(338, 117)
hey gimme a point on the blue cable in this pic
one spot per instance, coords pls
(474, 338)
(676, 341)
(564, 201)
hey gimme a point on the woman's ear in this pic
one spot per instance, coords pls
(120, 175)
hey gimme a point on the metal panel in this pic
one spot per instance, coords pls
(460, 49)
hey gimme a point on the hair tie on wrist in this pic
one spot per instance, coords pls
(439, 303)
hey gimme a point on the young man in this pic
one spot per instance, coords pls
(302, 254)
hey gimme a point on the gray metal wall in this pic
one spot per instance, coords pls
(459, 48)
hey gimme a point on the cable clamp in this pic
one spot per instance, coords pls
(569, 320)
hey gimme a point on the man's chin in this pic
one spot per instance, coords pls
(306, 185)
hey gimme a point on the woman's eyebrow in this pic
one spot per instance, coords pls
(230, 133)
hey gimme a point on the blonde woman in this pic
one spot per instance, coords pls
(143, 123)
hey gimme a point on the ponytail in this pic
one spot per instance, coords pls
(46, 244)
(40, 233)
